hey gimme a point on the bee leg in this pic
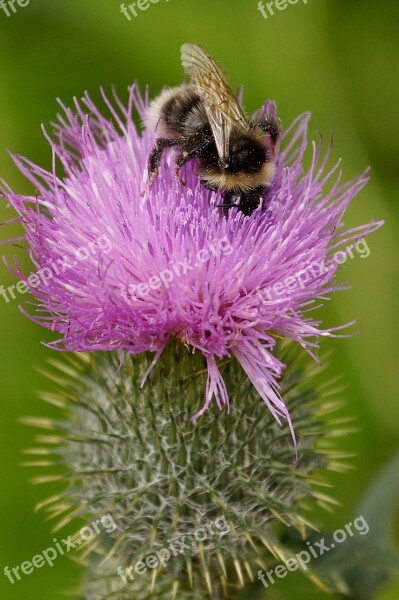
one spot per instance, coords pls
(189, 150)
(185, 156)
(155, 157)
(227, 202)
(272, 126)
(249, 201)
(180, 161)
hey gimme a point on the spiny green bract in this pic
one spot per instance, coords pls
(136, 454)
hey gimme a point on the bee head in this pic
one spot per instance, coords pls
(246, 166)
(247, 155)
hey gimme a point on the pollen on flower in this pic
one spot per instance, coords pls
(164, 272)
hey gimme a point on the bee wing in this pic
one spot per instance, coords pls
(221, 106)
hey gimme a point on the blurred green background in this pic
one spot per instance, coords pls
(337, 59)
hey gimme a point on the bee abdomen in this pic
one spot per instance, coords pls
(175, 110)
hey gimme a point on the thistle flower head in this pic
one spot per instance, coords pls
(127, 270)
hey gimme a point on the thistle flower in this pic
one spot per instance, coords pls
(119, 269)
(154, 272)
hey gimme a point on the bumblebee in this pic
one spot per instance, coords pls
(203, 120)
